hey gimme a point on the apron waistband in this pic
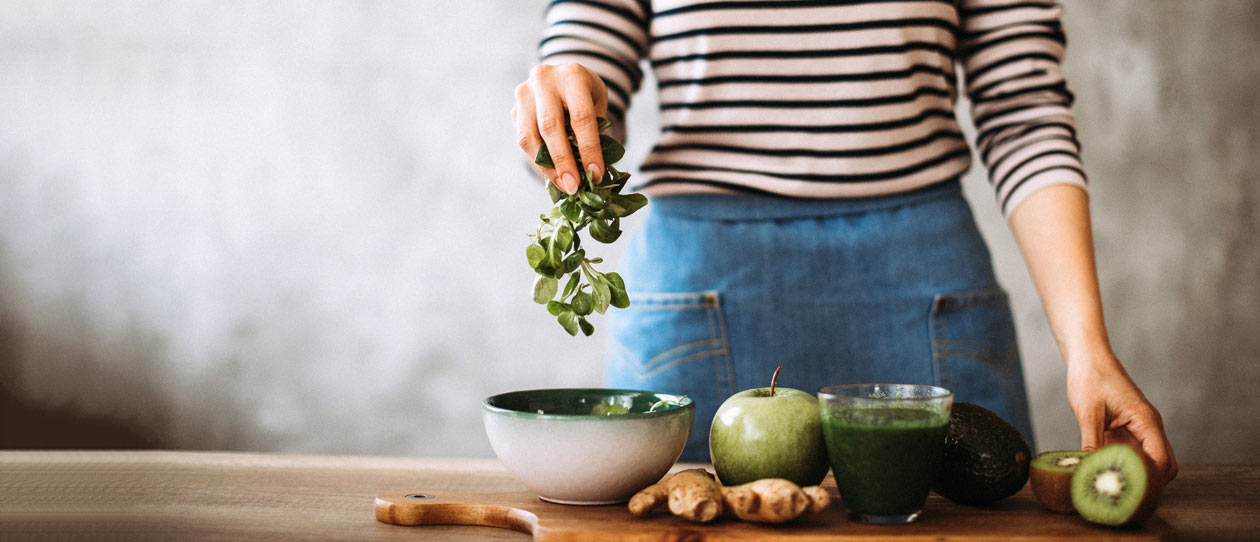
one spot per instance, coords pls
(768, 207)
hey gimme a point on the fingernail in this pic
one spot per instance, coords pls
(594, 169)
(568, 183)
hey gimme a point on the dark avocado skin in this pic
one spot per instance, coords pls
(986, 458)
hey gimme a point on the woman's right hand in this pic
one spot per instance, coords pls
(539, 116)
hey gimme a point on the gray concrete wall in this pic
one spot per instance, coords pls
(299, 226)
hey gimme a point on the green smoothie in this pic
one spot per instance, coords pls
(884, 458)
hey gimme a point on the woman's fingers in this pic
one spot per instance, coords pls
(1129, 423)
(554, 99)
(551, 126)
(526, 122)
(1092, 421)
(1148, 428)
(583, 111)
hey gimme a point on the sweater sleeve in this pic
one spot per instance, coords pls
(1025, 129)
(608, 37)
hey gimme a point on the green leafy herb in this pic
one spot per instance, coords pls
(612, 410)
(556, 249)
(665, 404)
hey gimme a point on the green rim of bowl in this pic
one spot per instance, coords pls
(686, 403)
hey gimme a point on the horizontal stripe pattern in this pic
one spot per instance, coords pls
(833, 98)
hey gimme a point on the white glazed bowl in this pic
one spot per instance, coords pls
(570, 456)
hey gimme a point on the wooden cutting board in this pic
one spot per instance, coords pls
(1018, 518)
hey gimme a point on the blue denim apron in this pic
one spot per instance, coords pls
(898, 288)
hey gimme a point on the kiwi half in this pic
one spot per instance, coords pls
(1051, 478)
(1116, 485)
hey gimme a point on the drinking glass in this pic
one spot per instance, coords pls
(885, 443)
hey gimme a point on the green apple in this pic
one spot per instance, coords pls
(768, 433)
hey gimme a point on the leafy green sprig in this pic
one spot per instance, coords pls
(556, 251)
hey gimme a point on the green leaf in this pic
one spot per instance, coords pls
(619, 298)
(611, 148)
(555, 256)
(535, 254)
(587, 328)
(604, 123)
(615, 211)
(565, 237)
(570, 286)
(613, 410)
(543, 157)
(545, 289)
(602, 295)
(592, 200)
(602, 233)
(605, 232)
(554, 192)
(615, 281)
(631, 202)
(573, 262)
(571, 211)
(568, 321)
(583, 303)
(617, 288)
(556, 307)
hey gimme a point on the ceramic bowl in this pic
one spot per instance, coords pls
(555, 442)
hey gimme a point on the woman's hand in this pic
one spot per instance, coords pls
(539, 116)
(1110, 408)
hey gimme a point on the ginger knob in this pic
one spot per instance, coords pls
(774, 500)
(696, 496)
(692, 494)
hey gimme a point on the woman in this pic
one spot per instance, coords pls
(806, 210)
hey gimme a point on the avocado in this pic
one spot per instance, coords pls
(986, 458)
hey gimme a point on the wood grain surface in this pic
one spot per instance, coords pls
(1018, 518)
(233, 496)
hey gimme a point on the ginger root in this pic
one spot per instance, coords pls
(697, 496)
(774, 500)
(693, 494)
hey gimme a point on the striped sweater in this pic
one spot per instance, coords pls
(833, 98)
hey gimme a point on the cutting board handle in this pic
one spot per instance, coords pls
(445, 508)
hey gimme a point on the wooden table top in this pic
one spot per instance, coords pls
(156, 495)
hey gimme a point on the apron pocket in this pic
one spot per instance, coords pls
(674, 343)
(973, 344)
(671, 338)
(975, 353)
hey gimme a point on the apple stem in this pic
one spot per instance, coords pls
(774, 379)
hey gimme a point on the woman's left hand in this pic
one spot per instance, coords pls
(1110, 408)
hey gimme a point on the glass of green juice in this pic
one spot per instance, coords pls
(885, 442)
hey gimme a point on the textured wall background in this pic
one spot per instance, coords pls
(298, 226)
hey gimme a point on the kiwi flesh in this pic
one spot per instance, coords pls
(1051, 478)
(1116, 485)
